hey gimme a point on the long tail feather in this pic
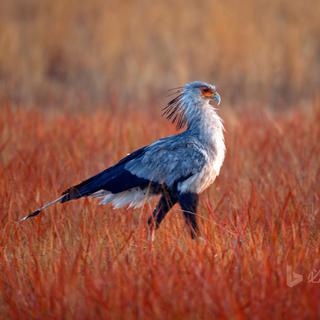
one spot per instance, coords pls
(114, 180)
(38, 211)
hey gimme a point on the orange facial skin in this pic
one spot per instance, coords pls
(206, 92)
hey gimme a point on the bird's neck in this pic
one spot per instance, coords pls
(206, 124)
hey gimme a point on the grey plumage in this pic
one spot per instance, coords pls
(169, 160)
(177, 167)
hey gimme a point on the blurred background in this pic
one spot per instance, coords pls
(90, 52)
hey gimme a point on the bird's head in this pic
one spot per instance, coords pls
(201, 92)
(189, 100)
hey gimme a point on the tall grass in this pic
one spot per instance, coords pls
(84, 261)
(87, 51)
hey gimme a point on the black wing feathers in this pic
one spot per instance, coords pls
(114, 179)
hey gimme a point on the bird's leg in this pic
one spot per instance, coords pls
(189, 203)
(165, 203)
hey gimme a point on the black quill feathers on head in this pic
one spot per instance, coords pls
(174, 110)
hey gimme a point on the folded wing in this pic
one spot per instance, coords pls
(164, 163)
(169, 161)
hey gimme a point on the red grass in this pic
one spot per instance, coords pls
(83, 261)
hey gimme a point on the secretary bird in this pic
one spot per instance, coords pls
(178, 167)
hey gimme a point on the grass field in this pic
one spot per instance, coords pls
(80, 87)
(83, 261)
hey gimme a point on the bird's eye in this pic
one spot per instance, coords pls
(207, 92)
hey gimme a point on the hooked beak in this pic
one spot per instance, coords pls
(217, 98)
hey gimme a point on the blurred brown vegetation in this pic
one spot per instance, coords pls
(54, 52)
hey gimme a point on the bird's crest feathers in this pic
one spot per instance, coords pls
(187, 100)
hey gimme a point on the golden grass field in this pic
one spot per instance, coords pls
(84, 261)
(65, 52)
